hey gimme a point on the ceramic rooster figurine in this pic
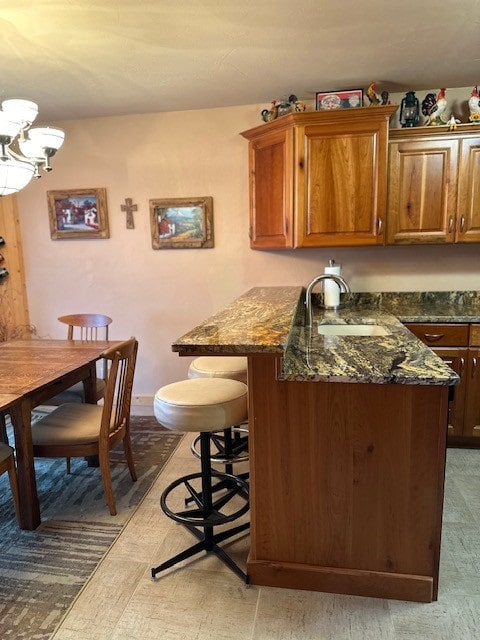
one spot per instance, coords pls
(427, 103)
(372, 94)
(436, 114)
(270, 114)
(474, 106)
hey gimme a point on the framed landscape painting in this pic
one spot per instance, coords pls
(78, 213)
(182, 223)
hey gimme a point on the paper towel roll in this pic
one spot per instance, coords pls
(331, 290)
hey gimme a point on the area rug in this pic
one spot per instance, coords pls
(42, 571)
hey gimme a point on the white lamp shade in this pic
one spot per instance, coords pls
(14, 175)
(18, 109)
(8, 126)
(47, 137)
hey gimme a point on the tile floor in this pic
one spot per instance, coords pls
(203, 600)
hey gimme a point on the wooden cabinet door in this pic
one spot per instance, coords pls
(271, 190)
(457, 360)
(468, 209)
(422, 191)
(341, 184)
(472, 402)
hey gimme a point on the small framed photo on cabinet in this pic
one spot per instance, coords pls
(328, 100)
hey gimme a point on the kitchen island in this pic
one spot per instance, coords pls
(347, 445)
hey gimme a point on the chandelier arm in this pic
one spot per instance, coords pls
(37, 162)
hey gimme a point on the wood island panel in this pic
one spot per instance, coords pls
(347, 485)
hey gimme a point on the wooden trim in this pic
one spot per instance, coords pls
(322, 117)
(437, 133)
(14, 307)
(372, 584)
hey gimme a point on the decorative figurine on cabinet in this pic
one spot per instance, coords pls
(428, 103)
(436, 113)
(452, 123)
(270, 114)
(283, 107)
(474, 106)
(409, 110)
(297, 104)
(385, 96)
(372, 95)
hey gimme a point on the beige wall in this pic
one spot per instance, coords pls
(159, 295)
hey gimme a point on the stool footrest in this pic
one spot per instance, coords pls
(201, 515)
(231, 446)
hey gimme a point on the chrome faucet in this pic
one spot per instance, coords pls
(340, 280)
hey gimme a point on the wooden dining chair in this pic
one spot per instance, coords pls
(3, 428)
(81, 429)
(84, 326)
(7, 463)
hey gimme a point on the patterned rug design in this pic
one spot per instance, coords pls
(42, 571)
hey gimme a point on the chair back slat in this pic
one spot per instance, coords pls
(118, 392)
(88, 326)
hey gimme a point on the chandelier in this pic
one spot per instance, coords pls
(24, 150)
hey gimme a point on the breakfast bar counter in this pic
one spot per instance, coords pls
(270, 320)
(347, 438)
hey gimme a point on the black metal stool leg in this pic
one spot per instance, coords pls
(206, 514)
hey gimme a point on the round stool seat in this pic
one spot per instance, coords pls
(201, 404)
(232, 367)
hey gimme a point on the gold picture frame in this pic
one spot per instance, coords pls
(182, 223)
(78, 213)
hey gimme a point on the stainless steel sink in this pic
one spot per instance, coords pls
(352, 330)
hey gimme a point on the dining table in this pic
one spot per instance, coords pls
(31, 372)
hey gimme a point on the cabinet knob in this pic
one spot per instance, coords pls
(450, 224)
(462, 224)
(474, 367)
(379, 226)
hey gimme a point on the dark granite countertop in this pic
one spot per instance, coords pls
(271, 320)
(257, 322)
(422, 306)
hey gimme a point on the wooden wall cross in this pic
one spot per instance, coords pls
(129, 208)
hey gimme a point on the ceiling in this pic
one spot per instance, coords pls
(89, 58)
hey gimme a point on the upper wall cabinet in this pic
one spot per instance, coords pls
(319, 179)
(434, 185)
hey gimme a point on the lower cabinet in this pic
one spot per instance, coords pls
(459, 346)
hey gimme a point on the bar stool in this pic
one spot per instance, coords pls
(204, 405)
(231, 445)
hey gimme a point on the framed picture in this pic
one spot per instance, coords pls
(182, 223)
(78, 213)
(339, 99)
